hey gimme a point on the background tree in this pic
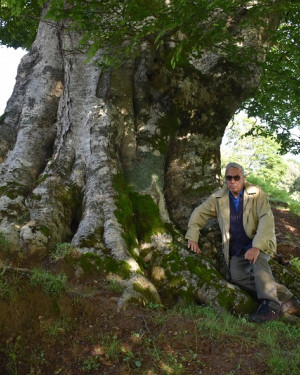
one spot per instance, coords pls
(114, 159)
(262, 159)
(258, 154)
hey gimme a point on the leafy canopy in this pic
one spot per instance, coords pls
(184, 29)
(19, 22)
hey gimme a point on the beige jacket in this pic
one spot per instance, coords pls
(258, 218)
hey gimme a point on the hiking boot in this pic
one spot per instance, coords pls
(264, 313)
(291, 306)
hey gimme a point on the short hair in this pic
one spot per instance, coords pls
(235, 165)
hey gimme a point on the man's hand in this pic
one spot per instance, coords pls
(252, 254)
(194, 246)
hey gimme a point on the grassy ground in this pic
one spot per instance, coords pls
(56, 324)
(81, 332)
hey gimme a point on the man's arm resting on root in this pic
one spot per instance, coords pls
(194, 246)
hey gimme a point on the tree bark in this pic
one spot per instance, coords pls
(113, 161)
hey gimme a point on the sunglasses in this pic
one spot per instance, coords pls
(236, 178)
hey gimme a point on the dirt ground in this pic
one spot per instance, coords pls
(287, 226)
(83, 333)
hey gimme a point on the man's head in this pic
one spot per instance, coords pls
(234, 178)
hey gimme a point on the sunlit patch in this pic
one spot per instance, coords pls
(98, 350)
(158, 273)
(133, 265)
(166, 368)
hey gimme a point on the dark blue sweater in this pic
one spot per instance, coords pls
(239, 241)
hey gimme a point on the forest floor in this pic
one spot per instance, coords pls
(83, 333)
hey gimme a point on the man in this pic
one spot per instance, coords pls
(248, 236)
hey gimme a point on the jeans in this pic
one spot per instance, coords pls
(258, 279)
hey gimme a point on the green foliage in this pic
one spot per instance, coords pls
(183, 29)
(50, 284)
(257, 154)
(19, 22)
(263, 164)
(277, 99)
(292, 177)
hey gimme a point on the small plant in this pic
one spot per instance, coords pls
(111, 346)
(4, 244)
(10, 286)
(5, 290)
(129, 357)
(91, 364)
(62, 250)
(56, 328)
(295, 262)
(115, 286)
(154, 306)
(13, 352)
(36, 361)
(51, 284)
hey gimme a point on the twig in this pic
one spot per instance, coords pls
(145, 322)
(14, 269)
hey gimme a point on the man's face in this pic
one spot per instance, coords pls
(236, 183)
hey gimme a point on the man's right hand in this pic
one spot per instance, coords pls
(194, 246)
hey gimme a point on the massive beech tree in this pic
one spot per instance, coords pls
(114, 159)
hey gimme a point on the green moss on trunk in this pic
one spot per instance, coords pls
(92, 263)
(146, 217)
(138, 214)
(124, 212)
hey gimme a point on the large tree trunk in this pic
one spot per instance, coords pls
(115, 161)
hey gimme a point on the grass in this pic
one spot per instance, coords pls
(295, 262)
(6, 291)
(274, 346)
(4, 244)
(51, 284)
(10, 286)
(114, 286)
(56, 328)
(91, 364)
(282, 343)
(278, 339)
(62, 250)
